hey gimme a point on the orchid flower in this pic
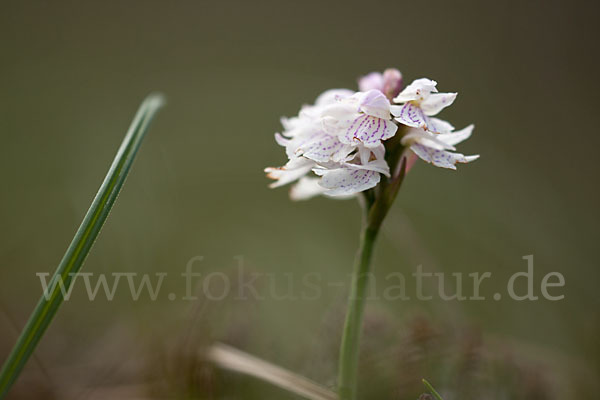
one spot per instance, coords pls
(362, 119)
(434, 148)
(366, 141)
(428, 137)
(337, 146)
(421, 102)
(339, 139)
(305, 141)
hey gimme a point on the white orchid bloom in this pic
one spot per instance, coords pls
(306, 188)
(303, 133)
(430, 138)
(352, 177)
(295, 168)
(434, 148)
(362, 119)
(339, 139)
(421, 102)
(335, 147)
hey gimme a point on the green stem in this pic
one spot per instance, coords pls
(375, 211)
(80, 245)
(348, 364)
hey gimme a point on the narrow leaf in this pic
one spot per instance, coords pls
(81, 244)
(432, 390)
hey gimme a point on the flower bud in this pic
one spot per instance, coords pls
(374, 80)
(392, 83)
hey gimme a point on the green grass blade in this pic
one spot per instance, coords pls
(432, 390)
(80, 246)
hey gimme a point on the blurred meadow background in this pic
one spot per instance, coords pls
(72, 75)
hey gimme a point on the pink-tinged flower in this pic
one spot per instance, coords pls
(389, 83)
(335, 147)
(392, 82)
(373, 80)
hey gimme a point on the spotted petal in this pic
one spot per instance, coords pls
(437, 125)
(436, 102)
(296, 142)
(368, 131)
(380, 166)
(441, 158)
(347, 181)
(324, 148)
(410, 115)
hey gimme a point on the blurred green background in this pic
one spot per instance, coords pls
(72, 75)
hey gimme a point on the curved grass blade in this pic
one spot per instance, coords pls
(236, 360)
(431, 389)
(80, 245)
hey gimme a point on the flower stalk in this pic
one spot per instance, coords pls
(348, 363)
(376, 207)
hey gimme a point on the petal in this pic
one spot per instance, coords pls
(288, 123)
(374, 80)
(379, 152)
(437, 125)
(346, 181)
(294, 169)
(325, 148)
(344, 111)
(364, 154)
(437, 102)
(425, 138)
(297, 126)
(333, 95)
(306, 188)
(375, 103)
(293, 145)
(458, 136)
(365, 159)
(368, 130)
(419, 89)
(441, 158)
(380, 166)
(410, 115)
(281, 140)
